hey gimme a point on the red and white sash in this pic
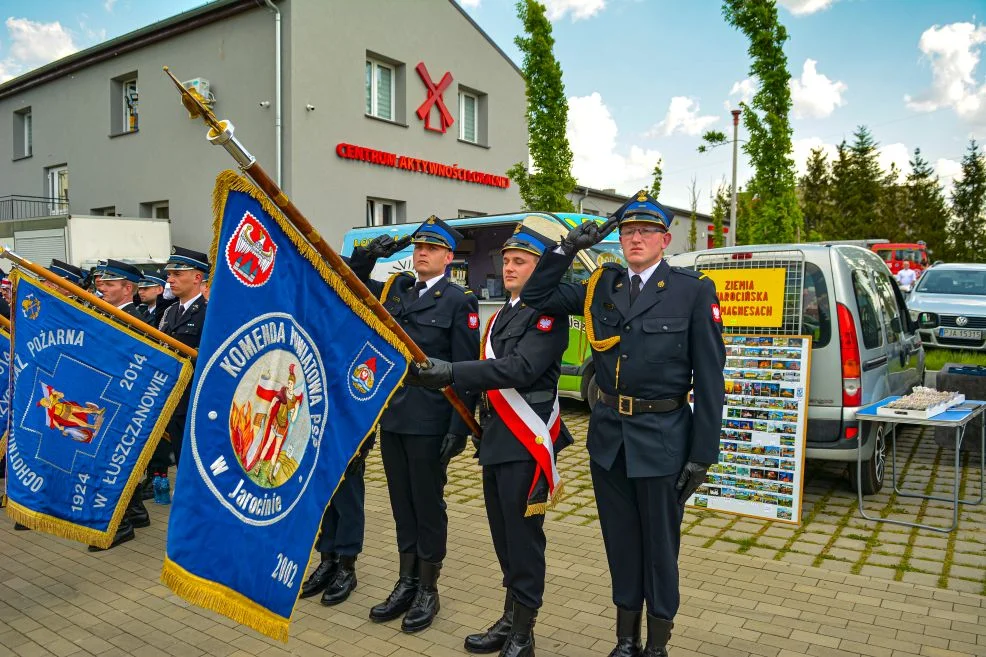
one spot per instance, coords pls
(525, 424)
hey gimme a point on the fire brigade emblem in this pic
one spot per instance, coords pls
(31, 306)
(259, 412)
(250, 252)
(367, 370)
(80, 422)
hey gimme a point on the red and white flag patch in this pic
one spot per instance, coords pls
(716, 313)
(545, 323)
(474, 320)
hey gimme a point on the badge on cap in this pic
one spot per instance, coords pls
(545, 323)
(474, 320)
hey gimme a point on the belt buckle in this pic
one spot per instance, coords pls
(625, 405)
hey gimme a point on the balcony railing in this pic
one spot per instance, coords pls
(15, 207)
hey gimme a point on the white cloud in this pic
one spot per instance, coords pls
(897, 154)
(948, 170)
(954, 52)
(108, 5)
(683, 116)
(744, 89)
(814, 95)
(579, 9)
(34, 44)
(804, 7)
(803, 149)
(592, 135)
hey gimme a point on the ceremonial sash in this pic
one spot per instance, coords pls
(529, 429)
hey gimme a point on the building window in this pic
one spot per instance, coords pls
(468, 116)
(464, 214)
(57, 189)
(108, 211)
(384, 212)
(23, 133)
(124, 116)
(155, 210)
(380, 89)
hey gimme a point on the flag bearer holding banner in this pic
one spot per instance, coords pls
(87, 408)
(655, 332)
(521, 361)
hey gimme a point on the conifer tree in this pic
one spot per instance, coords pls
(968, 233)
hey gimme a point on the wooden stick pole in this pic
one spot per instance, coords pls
(109, 309)
(221, 134)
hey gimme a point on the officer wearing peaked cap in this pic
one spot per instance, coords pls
(183, 321)
(420, 433)
(150, 289)
(117, 282)
(655, 331)
(69, 272)
(521, 361)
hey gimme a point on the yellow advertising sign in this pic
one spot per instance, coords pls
(750, 297)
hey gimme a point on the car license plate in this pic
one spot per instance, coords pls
(962, 334)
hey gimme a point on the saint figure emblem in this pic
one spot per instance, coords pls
(78, 422)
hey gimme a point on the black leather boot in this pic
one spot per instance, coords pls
(426, 603)
(342, 584)
(124, 533)
(493, 639)
(627, 634)
(399, 600)
(324, 573)
(520, 643)
(146, 489)
(658, 635)
(21, 528)
(137, 512)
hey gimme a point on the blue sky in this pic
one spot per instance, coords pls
(646, 77)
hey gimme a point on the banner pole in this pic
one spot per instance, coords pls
(108, 308)
(221, 134)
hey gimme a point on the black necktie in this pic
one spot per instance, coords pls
(419, 287)
(180, 313)
(634, 288)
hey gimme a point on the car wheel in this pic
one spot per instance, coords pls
(873, 469)
(590, 391)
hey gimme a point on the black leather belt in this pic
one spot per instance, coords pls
(632, 405)
(539, 396)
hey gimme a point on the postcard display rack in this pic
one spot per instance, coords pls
(760, 472)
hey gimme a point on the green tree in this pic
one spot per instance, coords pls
(894, 218)
(968, 232)
(720, 209)
(547, 185)
(862, 202)
(693, 218)
(655, 188)
(840, 222)
(926, 210)
(816, 201)
(775, 214)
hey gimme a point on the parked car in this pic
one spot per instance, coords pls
(864, 345)
(949, 305)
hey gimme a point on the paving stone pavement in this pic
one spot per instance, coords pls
(837, 585)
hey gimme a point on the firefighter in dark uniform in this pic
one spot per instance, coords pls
(521, 350)
(184, 320)
(117, 283)
(340, 538)
(67, 271)
(420, 432)
(151, 293)
(656, 333)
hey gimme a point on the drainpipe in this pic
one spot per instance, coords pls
(584, 197)
(277, 90)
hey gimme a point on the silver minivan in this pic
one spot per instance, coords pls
(864, 344)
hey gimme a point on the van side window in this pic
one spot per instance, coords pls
(891, 313)
(576, 273)
(815, 311)
(869, 316)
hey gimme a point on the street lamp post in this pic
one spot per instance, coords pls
(732, 201)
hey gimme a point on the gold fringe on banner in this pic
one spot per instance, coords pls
(70, 530)
(230, 181)
(223, 600)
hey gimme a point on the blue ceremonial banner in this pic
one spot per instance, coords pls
(90, 401)
(292, 376)
(6, 363)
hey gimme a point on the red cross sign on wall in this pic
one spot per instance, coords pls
(434, 98)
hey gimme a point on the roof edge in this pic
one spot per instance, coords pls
(486, 36)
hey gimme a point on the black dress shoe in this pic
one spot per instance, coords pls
(492, 640)
(400, 599)
(426, 604)
(137, 513)
(123, 534)
(342, 584)
(324, 573)
(21, 528)
(627, 634)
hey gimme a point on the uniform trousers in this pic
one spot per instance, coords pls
(345, 518)
(416, 484)
(176, 429)
(641, 525)
(519, 542)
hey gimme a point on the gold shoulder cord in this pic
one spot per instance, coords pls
(590, 331)
(387, 286)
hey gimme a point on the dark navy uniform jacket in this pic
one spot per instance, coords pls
(160, 308)
(669, 340)
(528, 358)
(187, 330)
(134, 310)
(444, 322)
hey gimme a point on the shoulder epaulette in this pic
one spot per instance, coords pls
(462, 289)
(613, 265)
(688, 272)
